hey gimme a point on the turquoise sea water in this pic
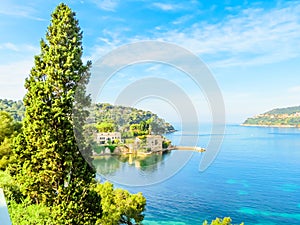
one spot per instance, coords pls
(255, 179)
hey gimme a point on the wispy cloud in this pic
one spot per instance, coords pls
(8, 46)
(19, 48)
(182, 19)
(171, 6)
(107, 5)
(165, 6)
(110, 40)
(254, 36)
(9, 8)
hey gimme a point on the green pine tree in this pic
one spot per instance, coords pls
(51, 169)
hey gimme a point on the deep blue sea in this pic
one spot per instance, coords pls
(255, 179)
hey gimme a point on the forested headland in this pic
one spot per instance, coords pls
(280, 117)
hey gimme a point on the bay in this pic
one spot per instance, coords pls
(255, 179)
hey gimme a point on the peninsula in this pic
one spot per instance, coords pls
(280, 117)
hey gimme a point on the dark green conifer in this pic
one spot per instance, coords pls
(51, 169)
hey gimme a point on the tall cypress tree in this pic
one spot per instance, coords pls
(51, 169)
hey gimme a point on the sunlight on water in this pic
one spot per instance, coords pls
(289, 187)
(255, 212)
(244, 183)
(240, 192)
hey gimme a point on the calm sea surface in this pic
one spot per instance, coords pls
(255, 179)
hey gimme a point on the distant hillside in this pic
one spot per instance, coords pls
(15, 108)
(122, 116)
(281, 117)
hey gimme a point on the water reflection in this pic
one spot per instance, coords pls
(109, 165)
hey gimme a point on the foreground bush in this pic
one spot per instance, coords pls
(218, 221)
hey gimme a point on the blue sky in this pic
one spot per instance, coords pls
(251, 47)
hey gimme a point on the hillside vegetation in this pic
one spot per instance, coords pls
(280, 117)
(15, 108)
(288, 110)
(121, 116)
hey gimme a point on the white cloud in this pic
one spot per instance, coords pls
(254, 36)
(182, 19)
(108, 5)
(19, 48)
(109, 41)
(175, 6)
(164, 6)
(14, 9)
(99, 51)
(9, 46)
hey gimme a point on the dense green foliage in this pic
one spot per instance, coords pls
(277, 117)
(288, 110)
(6, 125)
(15, 108)
(218, 221)
(106, 127)
(119, 206)
(108, 117)
(123, 117)
(142, 128)
(269, 121)
(8, 130)
(10, 187)
(20, 210)
(25, 213)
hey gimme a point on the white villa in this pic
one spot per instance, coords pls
(104, 137)
(148, 144)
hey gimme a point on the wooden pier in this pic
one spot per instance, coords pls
(189, 148)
